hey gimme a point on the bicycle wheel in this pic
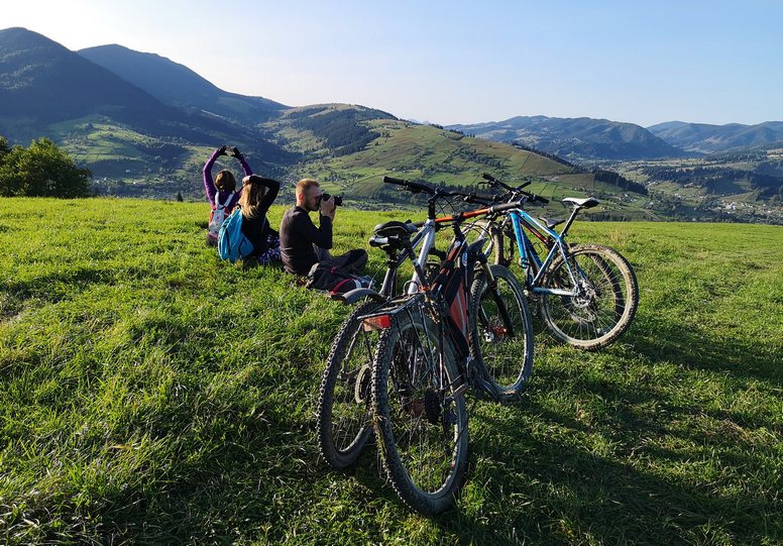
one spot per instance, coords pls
(420, 425)
(501, 333)
(606, 299)
(344, 405)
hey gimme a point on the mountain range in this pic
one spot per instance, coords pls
(131, 115)
(576, 139)
(708, 139)
(43, 85)
(588, 139)
(177, 85)
(43, 82)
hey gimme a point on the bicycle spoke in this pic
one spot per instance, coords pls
(422, 428)
(604, 297)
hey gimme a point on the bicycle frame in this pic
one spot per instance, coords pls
(425, 296)
(521, 219)
(424, 237)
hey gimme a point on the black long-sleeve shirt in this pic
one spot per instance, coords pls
(257, 228)
(298, 234)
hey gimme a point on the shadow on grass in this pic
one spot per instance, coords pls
(634, 469)
(661, 339)
(51, 288)
(622, 479)
(538, 472)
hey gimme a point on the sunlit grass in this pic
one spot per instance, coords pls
(154, 394)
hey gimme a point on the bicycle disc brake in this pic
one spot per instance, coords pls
(361, 388)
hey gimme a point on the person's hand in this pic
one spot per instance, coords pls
(328, 208)
(222, 150)
(234, 151)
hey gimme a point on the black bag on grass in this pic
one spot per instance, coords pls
(335, 280)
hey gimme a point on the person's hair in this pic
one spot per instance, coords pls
(304, 185)
(253, 192)
(225, 181)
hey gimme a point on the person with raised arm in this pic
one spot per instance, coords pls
(222, 190)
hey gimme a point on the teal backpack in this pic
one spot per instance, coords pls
(233, 245)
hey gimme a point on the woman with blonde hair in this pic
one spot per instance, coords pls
(257, 195)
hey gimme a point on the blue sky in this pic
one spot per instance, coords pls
(457, 61)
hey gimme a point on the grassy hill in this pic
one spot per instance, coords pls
(153, 394)
(428, 153)
(744, 186)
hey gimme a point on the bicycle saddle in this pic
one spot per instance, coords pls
(586, 203)
(394, 228)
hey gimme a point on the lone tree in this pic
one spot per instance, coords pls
(42, 170)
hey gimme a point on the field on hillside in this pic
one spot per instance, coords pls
(154, 394)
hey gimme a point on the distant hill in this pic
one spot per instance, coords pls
(435, 155)
(575, 139)
(177, 85)
(707, 139)
(43, 82)
(47, 90)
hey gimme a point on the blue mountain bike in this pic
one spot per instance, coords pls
(586, 294)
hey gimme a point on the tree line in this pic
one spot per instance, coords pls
(40, 170)
(708, 177)
(340, 129)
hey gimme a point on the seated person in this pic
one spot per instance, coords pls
(256, 197)
(302, 244)
(221, 192)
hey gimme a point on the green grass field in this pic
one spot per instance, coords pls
(153, 394)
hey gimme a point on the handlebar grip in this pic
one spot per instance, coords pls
(536, 198)
(413, 187)
(398, 181)
(507, 206)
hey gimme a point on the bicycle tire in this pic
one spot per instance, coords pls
(415, 418)
(496, 353)
(344, 405)
(607, 305)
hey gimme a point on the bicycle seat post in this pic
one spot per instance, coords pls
(390, 277)
(570, 220)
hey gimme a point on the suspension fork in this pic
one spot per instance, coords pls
(494, 288)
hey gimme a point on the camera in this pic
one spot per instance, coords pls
(338, 199)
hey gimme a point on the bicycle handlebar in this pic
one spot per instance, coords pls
(413, 187)
(507, 206)
(482, 212)
(515, 191)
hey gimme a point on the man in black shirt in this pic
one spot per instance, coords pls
(302, 245)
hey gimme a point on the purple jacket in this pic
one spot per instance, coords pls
(209, 183)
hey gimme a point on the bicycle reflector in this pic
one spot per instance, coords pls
(380, 322)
